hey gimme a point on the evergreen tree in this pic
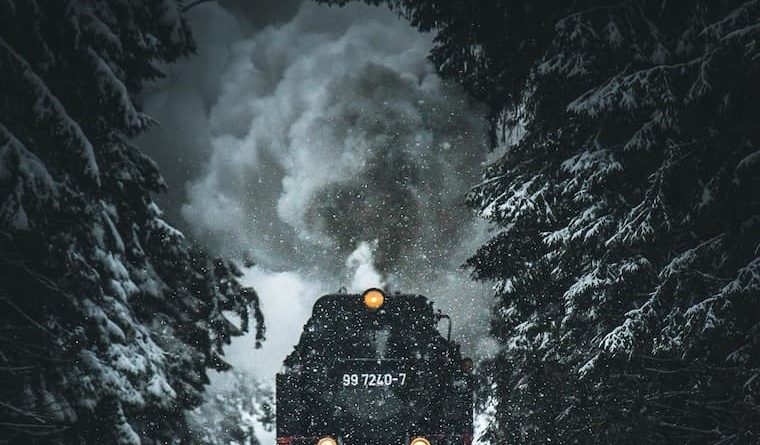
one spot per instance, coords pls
(627, 255)
(233, 413)
(109, 319)
(629, 250)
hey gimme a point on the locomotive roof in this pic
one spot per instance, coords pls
(338, 320)
(329, 304)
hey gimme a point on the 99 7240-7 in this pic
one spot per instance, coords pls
(373, 379)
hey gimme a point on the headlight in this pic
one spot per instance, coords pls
(373, 298)
(419, 441)
(327, 440)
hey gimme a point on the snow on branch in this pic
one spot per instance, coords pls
(50, 114)
(112, 89)
(26, 176)
(629, 91)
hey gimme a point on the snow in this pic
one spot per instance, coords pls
(621, 339)
(114, 331)
(518, 201)
(592, 160)
(160, 388)
(50, 167)
(588, 366)
(110, 381)
(747, 280)
(30, 169)
(164, 227)
(125, 434)
(111, 88)
(643, 137)
(112, 263)
(751, 161)
(148, 282)
(685, 259)
(29, 181)
(623, 88)
(736, 24)
(483, 420)
(124, 359)
(583, 285)
(108, 213)
(525, 327)
(634, 266)
(50, 112)
(571, 65)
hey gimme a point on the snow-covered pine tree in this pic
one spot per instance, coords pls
(627, 260)
(109, 319)
(626, 263)
(233, 412)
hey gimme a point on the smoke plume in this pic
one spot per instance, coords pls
(362, 264)
(323, 147)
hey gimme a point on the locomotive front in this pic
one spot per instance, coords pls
(373, 369)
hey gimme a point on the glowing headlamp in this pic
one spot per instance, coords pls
(327, 440)
(419, 441)
(373, 298)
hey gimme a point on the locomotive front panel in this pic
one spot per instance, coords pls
(373, 389)
(373, 371)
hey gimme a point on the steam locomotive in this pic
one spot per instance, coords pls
(373, 369)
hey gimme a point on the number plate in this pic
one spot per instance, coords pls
(374, 379)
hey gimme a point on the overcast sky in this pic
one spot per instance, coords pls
(320, 143)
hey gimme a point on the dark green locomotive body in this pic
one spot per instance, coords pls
(374, 377)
